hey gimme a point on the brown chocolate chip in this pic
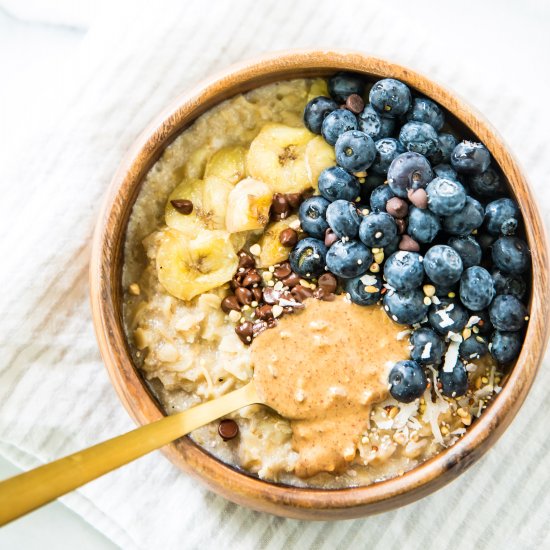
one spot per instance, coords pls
(409, 244)
(244, 332)
(280, 205)
(244, 295)
(288, 237)
(246, 260)
(230, 303)
(272, 323)
(271, 296)
(228, 429)
(264, 312)
(301, 293)
(330, 237)
(282, 270)
(418, 197)
(396, 207)
(294, 199)
(329, 297)
(355, 103)
(257, 293)
(401, 226)
(327, 282)
(183, 206)
(292, 280)
(252, 277)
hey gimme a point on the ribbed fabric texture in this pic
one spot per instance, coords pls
(55, 396)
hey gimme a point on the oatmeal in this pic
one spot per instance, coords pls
(284, 238)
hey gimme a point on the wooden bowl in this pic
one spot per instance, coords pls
(106, 293)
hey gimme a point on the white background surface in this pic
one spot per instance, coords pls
(69, 108)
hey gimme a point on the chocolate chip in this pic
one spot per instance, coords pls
(319, 293)
(355, 103)
(244, 295)
(228, 429)
(327, 282)
(252, 277)
(301, 293)
(288, 237)
(330, 237)
(292, 280)
(183, 206)
(329, 297)
(230, 303)
(401, 226)
(294, 199)
(272, 323)
(257, 293)
(282, 270)
(409, 244)
(271, 296)
(264, 312)
(237, 280)
(280, 204)
(418, 197)
(246, 260)
(244, 332)
(396, 207)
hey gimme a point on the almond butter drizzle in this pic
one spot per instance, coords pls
(323, 368)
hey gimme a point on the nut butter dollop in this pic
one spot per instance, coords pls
(323, 368)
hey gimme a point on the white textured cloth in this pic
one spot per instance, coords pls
(55, 397)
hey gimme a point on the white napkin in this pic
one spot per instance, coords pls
(55, 397)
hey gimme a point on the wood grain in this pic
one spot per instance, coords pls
(106, 292)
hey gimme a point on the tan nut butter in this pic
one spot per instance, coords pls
(323, 368)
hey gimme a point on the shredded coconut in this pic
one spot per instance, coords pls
(451, 356)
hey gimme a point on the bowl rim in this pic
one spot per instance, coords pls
(238, 486)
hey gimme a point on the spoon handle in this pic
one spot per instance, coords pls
(30, 490)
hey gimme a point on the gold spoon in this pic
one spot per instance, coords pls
(24, 493)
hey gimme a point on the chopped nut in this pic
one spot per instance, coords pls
(134, 289)
(466, 333)
(374, 268)
(393, 412)
(277, 310)
(267, 276)
(429, 290)
(255, 249)
(379, 257)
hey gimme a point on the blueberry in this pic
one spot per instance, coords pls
(403, 270)
(445, 171)
(419, 137)
(443, 265)
(386, 150)
(390, 97)
(445, 146)
(409, 171)
(379, 197)
(505, 346)
(448, 316)
(476, 288)
(507, 313)
(466, 220)
(487, 184)
(511, 255)
(469, 157)
(355, 151)
(425, 110)
(343, 219)
(423, 225)
(392, 247)
(445, 197)
(509, 284)
(336, 123)
(307, 259)
(407, 381)
(312, 214)
(372, 181)
(499, 212)
(335, 183)
(454, 383)
(509, 227)
(375, 125)
(342, 85)
(405, 307)
(316, 111)
(485, 241)
(473, 347)
(427, 346)
(349, 259)
(377, 229)
(468, 249)
(364, 290)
